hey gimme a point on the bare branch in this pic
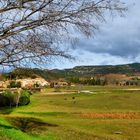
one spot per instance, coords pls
(32, 30)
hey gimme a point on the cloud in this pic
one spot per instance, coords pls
(118, 37)
(117, 42)
(89, 58)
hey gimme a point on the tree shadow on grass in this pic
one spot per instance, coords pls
(29, 125)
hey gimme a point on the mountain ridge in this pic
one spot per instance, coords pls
(77, 71)
(102, 69)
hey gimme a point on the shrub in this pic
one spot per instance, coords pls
(18, 84)
(8, 98)
(14, 84)
(4, 101)
(36, 85)
(52, 85)
(24, 98)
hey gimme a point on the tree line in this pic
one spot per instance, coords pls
(88, 81)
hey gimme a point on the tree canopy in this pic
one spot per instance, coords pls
(33, 30)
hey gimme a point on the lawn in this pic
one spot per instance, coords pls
(106, 113)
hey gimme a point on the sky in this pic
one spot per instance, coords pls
(116, 42)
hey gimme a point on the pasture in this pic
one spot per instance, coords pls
(104, 113)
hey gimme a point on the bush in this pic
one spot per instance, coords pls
(24, 98)
(18, 84)
(4, 101)
(8, 98)
(14, 84)
(52, 85)
(36, 85)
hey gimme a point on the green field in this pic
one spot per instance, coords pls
(106, 113)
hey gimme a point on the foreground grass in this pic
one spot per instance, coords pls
(60, 117)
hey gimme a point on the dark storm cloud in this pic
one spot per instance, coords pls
(118, 37)
(117, 41)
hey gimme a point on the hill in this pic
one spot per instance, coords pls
(78, 71)
(86, 71)
(20, 73)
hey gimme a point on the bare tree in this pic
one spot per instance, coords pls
(33, 30)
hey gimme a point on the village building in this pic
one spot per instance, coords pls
(59, 84)
(130, 83)
(27, 82)
(4, 84)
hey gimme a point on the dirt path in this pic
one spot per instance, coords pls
(58, 93)
(131, 115)
(133, 89)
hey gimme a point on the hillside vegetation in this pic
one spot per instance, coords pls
(78, 71)
(30, 73)
(128, 69)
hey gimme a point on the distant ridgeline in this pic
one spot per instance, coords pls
(81, 73)
(20, 73)
(89, 71)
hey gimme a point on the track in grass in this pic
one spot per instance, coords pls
(131, 115)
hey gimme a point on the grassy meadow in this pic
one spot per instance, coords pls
(104, 113)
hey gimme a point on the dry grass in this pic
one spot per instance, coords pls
(131, 115)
